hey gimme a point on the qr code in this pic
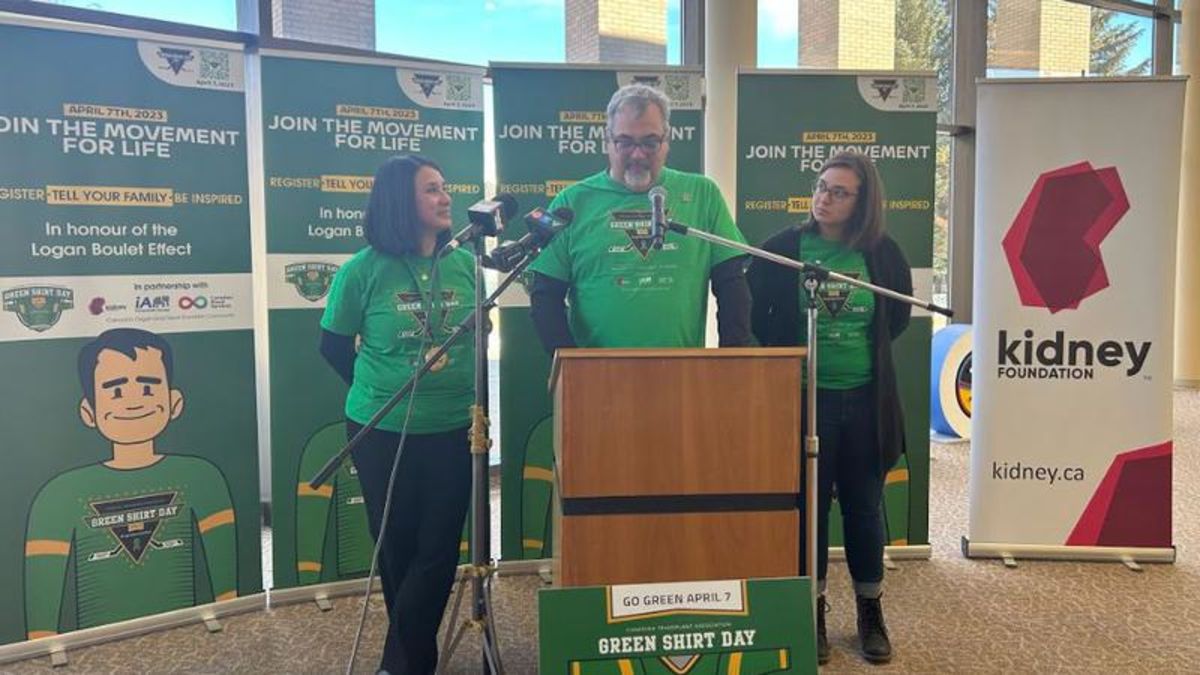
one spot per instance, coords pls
(458, 88)
(214, 65)
(914, 90)
(678, 88)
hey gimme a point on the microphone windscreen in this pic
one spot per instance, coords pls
(564, 215)
(508, 205)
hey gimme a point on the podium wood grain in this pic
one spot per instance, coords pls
(640, 431)
(664, 547)
(696, 421)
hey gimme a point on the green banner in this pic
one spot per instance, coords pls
(891, 118)
(321, 147)
(549, 133)
(126, 332)
(750, 627)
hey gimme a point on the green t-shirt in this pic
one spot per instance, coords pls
(844, 315)
(623, 293)
(105, 545)
(389, 303)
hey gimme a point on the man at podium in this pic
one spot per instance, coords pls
(624, 291)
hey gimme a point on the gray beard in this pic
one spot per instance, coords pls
(637, 179)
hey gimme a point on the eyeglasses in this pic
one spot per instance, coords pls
(839, 194)
(648, 144)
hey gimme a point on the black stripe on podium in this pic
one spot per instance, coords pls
(596, 506)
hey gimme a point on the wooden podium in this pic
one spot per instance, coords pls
(676, 464)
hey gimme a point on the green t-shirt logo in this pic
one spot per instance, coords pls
(38, 308)
(133, 522)
(414, 304)
(636, 226)
(835, 294)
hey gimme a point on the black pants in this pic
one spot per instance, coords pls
(420, 549)
(849, 460)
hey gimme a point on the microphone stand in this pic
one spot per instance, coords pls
(481, 568)
(814, 276)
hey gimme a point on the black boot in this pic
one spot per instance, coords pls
(822, 638)
(872, 633)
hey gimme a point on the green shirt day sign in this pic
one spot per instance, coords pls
(751, 627)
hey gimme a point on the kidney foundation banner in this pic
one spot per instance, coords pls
(550, 123)
(1076, 201)
(890, 117)
(126, 336)
(321, 147)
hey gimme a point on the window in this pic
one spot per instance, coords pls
(468, 31)
(856, 36)
(778, 39)
(552, 31)
(1036, 38)
(221, 14)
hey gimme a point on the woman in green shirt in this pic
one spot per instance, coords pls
(859, 420)
(399, 304)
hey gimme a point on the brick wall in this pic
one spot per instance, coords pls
(616, 31)
(1066, 38)
(867, 32)
(1016, 35)
(582, 19)
(1047, 37)
(349, 23)
(819, 33)
(847, 34)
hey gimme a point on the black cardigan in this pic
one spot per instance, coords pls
(776, 320)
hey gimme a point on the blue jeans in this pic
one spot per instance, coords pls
(850, 460)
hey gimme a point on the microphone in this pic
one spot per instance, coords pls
(658, 219)
(487, 218)
(542, 228)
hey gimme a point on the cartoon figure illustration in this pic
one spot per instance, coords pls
(758, 662)
(142, 532)
(332, 539)
(537, 491)
(333, 542)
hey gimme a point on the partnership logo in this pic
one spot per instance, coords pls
(175, 57)
(311, 279)
(38, 308)
(1053, 245)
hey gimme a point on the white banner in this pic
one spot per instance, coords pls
(639, 601)
(1076, 201)
(72, 307)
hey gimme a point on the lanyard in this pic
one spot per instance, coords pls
(428, 300)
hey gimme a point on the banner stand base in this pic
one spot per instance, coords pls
(57, 646)
(538, 566)
(898, 552)
(1129, 556)
(321, 594)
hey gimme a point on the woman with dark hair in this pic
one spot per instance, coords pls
(401, 303)
(859, 420)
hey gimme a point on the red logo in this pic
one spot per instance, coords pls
(1053, 246)
(96, 306)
